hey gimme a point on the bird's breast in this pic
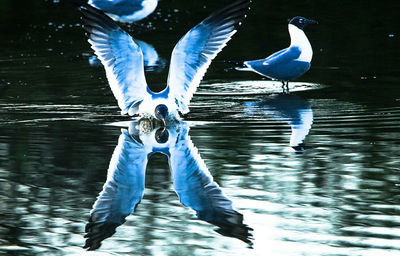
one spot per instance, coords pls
(300, 40)
(149, 104)
(306, 53)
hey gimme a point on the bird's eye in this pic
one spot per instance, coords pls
(301, 20)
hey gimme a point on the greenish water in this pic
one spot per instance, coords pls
(60, 125)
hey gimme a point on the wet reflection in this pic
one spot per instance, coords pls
(151, 60)
(289, 108)
(342, 199)
(192, 181)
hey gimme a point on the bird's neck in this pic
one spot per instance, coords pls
(299, 39)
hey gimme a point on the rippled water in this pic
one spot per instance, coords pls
(336, 194)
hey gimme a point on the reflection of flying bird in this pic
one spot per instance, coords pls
(151, 60)
(289, 63)
(196, 189)
(123, 60)
(193, 183)
(289, 108)
(121, 193)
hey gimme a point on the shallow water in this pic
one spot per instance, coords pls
(339, 194)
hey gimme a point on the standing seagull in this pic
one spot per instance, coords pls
(125, 10)
(123, 60)
(289, 63)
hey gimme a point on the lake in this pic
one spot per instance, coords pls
(259, 190)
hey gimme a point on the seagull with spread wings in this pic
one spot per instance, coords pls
(123, 60)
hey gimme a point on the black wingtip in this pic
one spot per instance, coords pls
(236, 11)
(95, 18)
(88, 10)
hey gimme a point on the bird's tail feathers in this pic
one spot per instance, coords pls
(238, 64)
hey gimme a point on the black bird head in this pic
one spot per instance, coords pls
(161, 112)
(162, 135)
(301, 22)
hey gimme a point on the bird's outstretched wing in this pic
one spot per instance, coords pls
(121, 56)
(196, 189)
(121, 193)
(195, 51)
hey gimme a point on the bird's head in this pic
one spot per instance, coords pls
(161, 113)
(301, 22)
(162, 135)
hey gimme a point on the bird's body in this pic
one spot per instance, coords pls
(125, 10)
(289, 63)
(192, 55)
(150, 102)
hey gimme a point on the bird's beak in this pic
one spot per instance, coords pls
(311, 22)
(164, 123)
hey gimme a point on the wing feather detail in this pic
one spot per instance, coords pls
(121, 57)
(194, 52)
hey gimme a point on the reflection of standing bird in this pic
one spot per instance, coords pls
(151, 60)
(289, 63)
(123, 60)
(193, 183)
(288, 108)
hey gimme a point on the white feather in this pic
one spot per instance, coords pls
(299, 39)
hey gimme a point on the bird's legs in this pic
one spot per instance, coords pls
(285, 87)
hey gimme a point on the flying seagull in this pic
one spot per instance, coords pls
(289, 63)
(123, 60)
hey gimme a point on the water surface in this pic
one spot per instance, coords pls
(337, 195)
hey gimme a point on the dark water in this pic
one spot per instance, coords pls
(60, 125)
